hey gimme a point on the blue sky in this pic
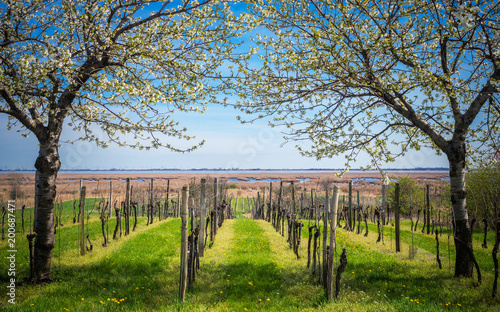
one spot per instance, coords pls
(229, 144)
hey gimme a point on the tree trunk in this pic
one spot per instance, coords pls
(47, 165)
(463, 234)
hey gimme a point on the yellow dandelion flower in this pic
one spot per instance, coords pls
(268, 299)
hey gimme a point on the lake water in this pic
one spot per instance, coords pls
(252, 180)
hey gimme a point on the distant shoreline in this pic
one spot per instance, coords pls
(206, 170)
(248, 182)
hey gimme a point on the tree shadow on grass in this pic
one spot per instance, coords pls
(251, 285)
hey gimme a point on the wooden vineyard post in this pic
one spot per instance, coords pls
(110, 198)
(127, 208)
(396, 218)
(349, 212)
(221, 193)
(311, 213)
(177, 211)
(83, 190)
(151, 202)
(428, 208)
(22, 216)
(257, 206)
(280, 200)
(333, 229)
(262, 211)
(203, 211)
(325, 234)
(109, 209)
(191, 248)
(383, 211)
(166, 203)
(184, 244)
(355, 218)
(213, 219)
(270, 208)
(301, 209)
(293, 238)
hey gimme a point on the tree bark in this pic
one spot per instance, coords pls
(47, 165)
(462, 232)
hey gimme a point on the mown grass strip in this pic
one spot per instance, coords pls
(249, 268)
(67, 243)
(139, 274)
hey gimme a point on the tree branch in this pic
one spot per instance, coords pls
(17, 113)
(485, 93)
(155, 16)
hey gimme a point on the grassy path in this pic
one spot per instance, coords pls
(250, 268)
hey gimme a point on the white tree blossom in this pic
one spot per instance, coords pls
(123, 66)
(380, 77)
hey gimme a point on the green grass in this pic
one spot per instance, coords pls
(248, 268)
(242, 205)
(134, 273)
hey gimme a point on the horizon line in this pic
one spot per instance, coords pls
(235, 169)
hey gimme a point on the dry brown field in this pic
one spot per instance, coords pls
(21, 184)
